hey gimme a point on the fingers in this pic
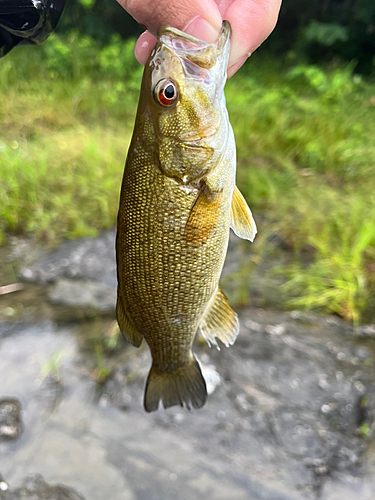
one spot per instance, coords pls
(177, 13)
(144, 46)
(197, 27)
(200, 18)
(252, 22)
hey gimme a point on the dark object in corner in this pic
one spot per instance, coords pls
(27, 21)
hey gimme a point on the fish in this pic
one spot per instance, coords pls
(178, 202)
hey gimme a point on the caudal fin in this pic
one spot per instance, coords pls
(185, 385)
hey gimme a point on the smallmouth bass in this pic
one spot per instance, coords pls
(178, 201)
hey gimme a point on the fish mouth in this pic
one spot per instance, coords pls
(211, 132)
(196, 144)
(200, 53)
(199, 142)
(224, 37)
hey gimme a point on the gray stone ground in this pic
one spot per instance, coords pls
(290, 413)
(10, 419)
(35, 488)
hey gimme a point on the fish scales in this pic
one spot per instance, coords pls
(166, 279)
(176, 208)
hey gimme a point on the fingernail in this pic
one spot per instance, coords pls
(144, 46)
(236, 66)
(202, 29)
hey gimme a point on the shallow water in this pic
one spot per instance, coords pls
(290, 414)
(71, 437)
(75, 434)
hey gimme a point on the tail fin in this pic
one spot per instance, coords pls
(186, 386)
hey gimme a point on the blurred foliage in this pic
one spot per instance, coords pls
(98, 18)
(325, 34)
(324, 30)
(311, 29)
(306, 157)
(65, 120)
(51, 367)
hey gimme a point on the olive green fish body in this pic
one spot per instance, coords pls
(176, 208)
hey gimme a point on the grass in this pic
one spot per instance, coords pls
(51, 367)
(307, 162)
(306, 158)
(63, 138)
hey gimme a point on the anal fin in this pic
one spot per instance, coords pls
(220, 321)
(242, 221)
(127, 329)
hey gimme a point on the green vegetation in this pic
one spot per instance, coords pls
(64, 135)
(317, 31)
(307, 161)
(51, 367)
(102, 371)
(306, 158)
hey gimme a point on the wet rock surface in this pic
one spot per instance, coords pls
(284, 420)
(87, 259)
(10, 419)
(290, 413)
(84, 271)
(78, 438)
(83, 293)
(292, 392)
(35, 488)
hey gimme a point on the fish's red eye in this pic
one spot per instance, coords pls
(166, 92)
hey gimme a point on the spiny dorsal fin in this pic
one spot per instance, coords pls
(242, 221)
(219, 321)
(126, 327)
(203, 216)
(184, 386)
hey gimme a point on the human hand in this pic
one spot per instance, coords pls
(251, 20)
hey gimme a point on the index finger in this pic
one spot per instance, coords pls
(177, 13)
(252, 21)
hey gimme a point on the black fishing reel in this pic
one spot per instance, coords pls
(27, 21)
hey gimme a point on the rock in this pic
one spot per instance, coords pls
(87, 259)
(92, 261)
(291, 403)
(3, 485)
(35, 488)
(289, 392)
(11, 426)
(211, 377)
(83, 272)
(86, 294)
(287, 419)
(348, 488)
(365, 331)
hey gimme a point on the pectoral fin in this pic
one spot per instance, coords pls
(242, 221)
(126, 326)
(203, 216)
(220, 321)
